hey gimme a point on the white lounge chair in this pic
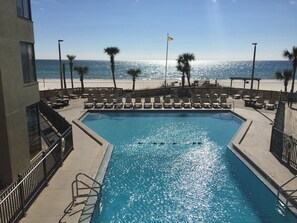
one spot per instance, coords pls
(147, 103)
(99, 102)
(128, 103)
(224, 104)
(89, 103)
(196, 102)
(109, 103)
(138, 103)
(186, 102)
(205, 103)
(177, 103)
(167, 103)
(215, 103)
(157, 102)
(271, 105)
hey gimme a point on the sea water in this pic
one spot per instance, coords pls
(155, 69)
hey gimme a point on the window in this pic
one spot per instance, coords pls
(28, 62)
(24, 9)
(32, 113)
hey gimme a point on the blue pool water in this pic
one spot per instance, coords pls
(176, 167)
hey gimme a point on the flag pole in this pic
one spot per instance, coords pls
(166, 59)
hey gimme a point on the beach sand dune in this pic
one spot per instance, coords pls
(265, 84)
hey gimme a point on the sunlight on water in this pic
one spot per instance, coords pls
(175, 167)
(155, 69)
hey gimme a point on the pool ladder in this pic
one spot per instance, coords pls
(289, 196)
(79, 184)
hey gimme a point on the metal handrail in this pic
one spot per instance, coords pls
(289, 181)
(24, 178)
(76, 181)
(289, 194)
(79, 181)
(83, 174)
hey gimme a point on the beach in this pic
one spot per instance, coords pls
(265, 84)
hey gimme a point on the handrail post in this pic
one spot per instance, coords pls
(44, 168)
(62, 150)
(22, 195)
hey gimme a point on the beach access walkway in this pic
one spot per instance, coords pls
(50, 205)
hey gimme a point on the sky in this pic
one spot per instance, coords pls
(210, 29)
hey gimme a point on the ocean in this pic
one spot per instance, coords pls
(155, 69)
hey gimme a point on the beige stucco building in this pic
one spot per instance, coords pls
(19, 94)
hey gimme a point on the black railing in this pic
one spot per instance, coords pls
(16, 199)
(283, 146)
(53, 117)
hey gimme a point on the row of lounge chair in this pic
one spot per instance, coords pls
(156, 102)
(267, 104)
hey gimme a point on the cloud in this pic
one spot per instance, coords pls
(292, 2)
(214, 1)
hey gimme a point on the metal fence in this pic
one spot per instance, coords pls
(283, 146)
(55, 119)
(16, 199)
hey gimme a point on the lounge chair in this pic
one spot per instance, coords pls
(157, 102)
(62, 95)
(205, 103)
(223, 102)
(89, 103)
(118, 102)
(238, 95)
(214, 103)
(167, 103)
(72, 95)
(271, 105)
(55, 104)
(147, 103)
(196, 102)
(99, 102)
(128, 103)
(84, 95)
(186, 102)
(176, 102)
(138, 103)
(259, 103)
(109, 103)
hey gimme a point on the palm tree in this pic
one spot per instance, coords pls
(71, 58)
(134, 73)
(292, 56)
(183, 65)
(82, 71)
(112, 51)
(286, 75)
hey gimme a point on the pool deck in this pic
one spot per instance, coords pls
(52, 202)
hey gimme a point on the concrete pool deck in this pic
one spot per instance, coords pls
(54, 199)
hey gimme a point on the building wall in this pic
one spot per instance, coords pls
(14, 94)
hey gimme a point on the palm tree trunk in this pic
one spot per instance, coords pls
(293, 78)
(82, 85)
(183, 80)
(188, 77)
(112, 70)
(133, 87)
(71, 74)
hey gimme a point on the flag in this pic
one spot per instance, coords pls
(169, 38)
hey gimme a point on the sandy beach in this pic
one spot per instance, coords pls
(265, 84)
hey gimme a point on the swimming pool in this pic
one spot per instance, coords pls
(176, 167)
